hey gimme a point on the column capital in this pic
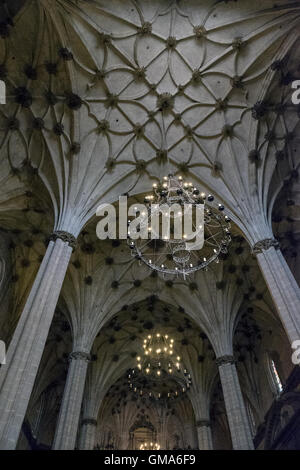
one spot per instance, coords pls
(227, 359)
(81, 355)
(65, 237)
(90, 421)
(201, 423)
(264, 245)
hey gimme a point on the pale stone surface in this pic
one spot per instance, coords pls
(236, 412)
(87, 437)
(204, 436)
(284, 290)
(26, 348)
(212, 65)
(66, 431)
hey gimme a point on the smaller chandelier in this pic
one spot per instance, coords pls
(159, 373)
(164, 250)
(149, 446)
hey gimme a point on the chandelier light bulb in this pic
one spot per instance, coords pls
(161, 367)
(172, 252)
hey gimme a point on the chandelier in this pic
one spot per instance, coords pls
(173, 255)
(150, 446)
(159, 373)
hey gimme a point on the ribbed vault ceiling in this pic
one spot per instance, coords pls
(103, 99)
(102, 95)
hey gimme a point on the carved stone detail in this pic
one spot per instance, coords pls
(65, 237)
(203, 423)
(264, 245)
(90, 421)
(227, 359)
(82, 356)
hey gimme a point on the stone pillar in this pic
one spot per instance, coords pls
(88, 434)
(204, 434)
(27, 345)
(282, 285)
(67, 425)
(162, 427)
(234, 403)
(190, 440)
(124, 440)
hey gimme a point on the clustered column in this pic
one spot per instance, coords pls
(234, 403)
(281, 283)
(27, 345)
(204, 434)
(66, 429)
(88, 434)
(23, 358)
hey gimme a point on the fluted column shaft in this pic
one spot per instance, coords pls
(204, 435)
(190, 435)
(161, 433)
(124, 440)
(88, 430)
(27, 345)
(67, 426)
(234, 403)
(283, 288)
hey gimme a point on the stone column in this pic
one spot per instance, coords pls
(88, 434)
(204, 434)
(67, 425)
(190, 440)
(27, 345)
(162, 425)
(234, 403)
(282, 285)
(124, 440)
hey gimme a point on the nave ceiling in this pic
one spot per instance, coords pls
(104, 99)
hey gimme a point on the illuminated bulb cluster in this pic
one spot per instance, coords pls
(159, 363)
(166, 348)
(150, 446)
(175, 188)
(164, 253)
